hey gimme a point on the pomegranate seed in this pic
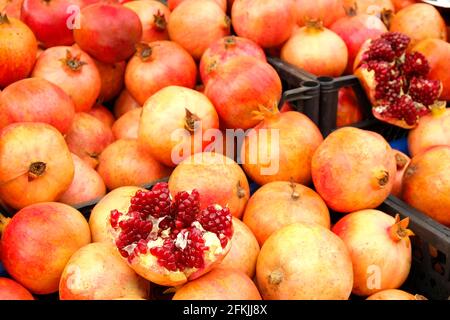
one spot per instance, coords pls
(381, 50)
(424, 91)
(398, 41)
(217, 220)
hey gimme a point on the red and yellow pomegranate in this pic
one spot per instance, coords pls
(217, 178)
(97, 272)
(103, 114)
(348, 109)
(124, 103)
(279, 204)
(299, 261)
(402, 161)
(111, 76)
(127, 126)
(35, 164)
(395, 294)
(38, 242)
(11, 290)
(426, 183)
(327, 11)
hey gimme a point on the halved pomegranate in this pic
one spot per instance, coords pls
(169, 240)
(396, 81)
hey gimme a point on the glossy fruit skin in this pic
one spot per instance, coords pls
(402, 164)
(103, 114)
(11, 290)
(260, 21)
(353, 169)
(81, 83)
(32, 234)
(196, 24)
(97, 272)
(29, 175)
(127, 126)
(18, 47)
(124, 103)
(158, 65)
(219, 284)
(278, 204)
(393, 294)
(36, 100)
(426, 183)
(348, 109)
(299, 261)
(217, 178)
(328, 11)
(174, 3)
(112, 79)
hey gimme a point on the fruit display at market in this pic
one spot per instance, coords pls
(224, 150)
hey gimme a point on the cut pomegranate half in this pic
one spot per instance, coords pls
(169, 240)
(396, 80)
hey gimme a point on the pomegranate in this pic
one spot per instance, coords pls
(111, 77)
(327, 11)
(154, 16)
(174, 122)
(299, 261)
(11, 290)
(103, 114)
(380, 249)
(278, 204)
(316, 49)
(97, 272)
(402, 161)
(174, 3)
(419, 21)
(224, 49)
(396, 81)
(108, 32)
(73, 71)
(123, 163)
(195, 24)
(86, 185)
(18, 47)
(170, 240)
(355, 29)
(395, 294)
(124, 103)
(218, 179)
(244, 250)
(127, 126)
(437, 53)
(38, 242)
(372, 7)
(280, 148)
(426, 183)
(36, 100)
(156, 66)
(348, 109)
(219, 284)
(243, 85)
(87, 138)
(12, 8)
(353, 169)
(400, 4)
(35, 164)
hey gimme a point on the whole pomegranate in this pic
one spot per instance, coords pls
(108, 32)
(156, 66)
(395, 294)
(112, 79)
(35, 164)
(402, 161)
(419, 21)
(219, 284)
(38, 242)
(174, 122)
(11, 290)
(316, 49)
(103, 114)
(327, 11)
(36, 100)
(217, 178)
(174, 3)
(123, 163)
(195, 24)
(278, 204)
(247, 17)
(426, 183)
(170, 240)
(353, 169)
(280, 148)
(127, 126)
(86, 185)
(241, 86)
(397, 81)
(97, 272)
(372, 7)
(348, 109)
(299, 261)
(124, 103)
(18, 47)
(87, 137)
(380, 249)
(73, 71)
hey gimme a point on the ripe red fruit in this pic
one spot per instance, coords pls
(38, 242)
(18, 47)
(127, 126)
(402, 161)
(73, 71)
(380, 249)
(196, 24)
(353, 169)
(328, 11)
(174, 3)
(260, 21)
(170, 240)
(31, 174)
(348, 109)
(36, 100)
(395, 294)
(108, 32)
(111, 77)
(103, 114)
(11, 290)
(124, 103)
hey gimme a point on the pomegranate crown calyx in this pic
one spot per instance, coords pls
(3, 222)
(400, 229)
(4, 18)
(73, 62)
(144, 51)
(160, 21)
